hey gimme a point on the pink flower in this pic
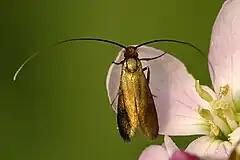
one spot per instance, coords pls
(184, 106)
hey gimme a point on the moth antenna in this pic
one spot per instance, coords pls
(170, 40)
(23, 64)
(66, 41)
(181, 42)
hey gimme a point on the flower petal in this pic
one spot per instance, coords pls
(180, 155)
(235, 155)
(224, 52)
(154, 152)
(113, 80)
(170, 145)
(177, 100)
(234, 137)
(208, 147)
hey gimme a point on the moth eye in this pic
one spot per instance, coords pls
(125, 54)
(136, 53)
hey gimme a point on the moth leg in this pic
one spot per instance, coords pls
(148, 59)
(114, 99)
(118, 63)
(154, 95)
(144, 69)
(148, 76)
(148, 73)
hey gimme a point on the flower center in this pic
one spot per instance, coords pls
(221, 115)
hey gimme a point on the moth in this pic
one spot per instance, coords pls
(135, 101)
(135, 107)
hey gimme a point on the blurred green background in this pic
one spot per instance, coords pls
(58, 108)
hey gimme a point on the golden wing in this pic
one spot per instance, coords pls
(147, 114)
(127, 117)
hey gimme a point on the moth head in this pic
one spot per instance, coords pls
(131, 52)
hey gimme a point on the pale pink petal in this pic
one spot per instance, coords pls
(235, 154)
(170, 145)
(209, 147)
(113, 81)
(234, 137)
(224, 52)
(180, 155)
(154, 152)
(224, 150)
(177, 100)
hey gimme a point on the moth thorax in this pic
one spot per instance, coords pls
(131, 64)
